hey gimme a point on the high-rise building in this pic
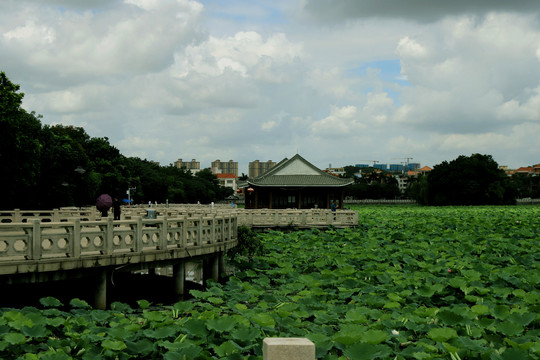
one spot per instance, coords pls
(229, 167)
(257, 168)
(193, 165)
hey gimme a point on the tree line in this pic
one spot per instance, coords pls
(466, 180)
(50, 166)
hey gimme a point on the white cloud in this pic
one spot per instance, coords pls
(244, 80)
(342, 121)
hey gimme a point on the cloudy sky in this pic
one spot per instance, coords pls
(340, 82)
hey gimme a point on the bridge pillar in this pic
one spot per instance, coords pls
(100, 295)
(215, 267)
(179, 277)
(211, 268)
(221, 259)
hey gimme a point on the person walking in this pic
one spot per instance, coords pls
(116, 209)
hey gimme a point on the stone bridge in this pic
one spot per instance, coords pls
(40, 250)
(61, 244)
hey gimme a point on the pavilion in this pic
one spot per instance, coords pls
(295, 183)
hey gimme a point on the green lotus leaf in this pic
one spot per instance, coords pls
(36, 331)
(17, 320)
(349, 334)
(15, 338)
(426, 291)
(196, 327)
(141, 347)
(115, 345)
(442, 334)
(227, 348)
(450, 317)
(374, 336)
(155, 316)
(264, 320)
(366, 351)
(356, 315)
(509, 328)
(143, 304)
(221, 324)
(480, 309)
(515, 354)
(215, 300)
(79, 304)
(500, 312)
(522, 319)
(244, 334)
(50, 302)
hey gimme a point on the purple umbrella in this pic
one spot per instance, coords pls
(103, 202)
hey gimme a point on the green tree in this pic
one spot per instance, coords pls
(19, 148)
(469, 180)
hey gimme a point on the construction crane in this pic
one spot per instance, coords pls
(406, 162)
(374, 161)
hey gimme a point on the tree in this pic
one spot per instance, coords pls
(19, 148)
(469, 180)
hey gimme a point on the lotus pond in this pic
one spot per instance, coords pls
(408, 283)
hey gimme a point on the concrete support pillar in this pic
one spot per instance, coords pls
(179, 277)
(100, 295)
(288, 348)
(221, 259)
(215, 267)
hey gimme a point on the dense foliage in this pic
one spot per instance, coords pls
(45, 167)
(373, 184)
(467, 180)
(410, 283)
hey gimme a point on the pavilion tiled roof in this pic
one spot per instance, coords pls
(281, 175)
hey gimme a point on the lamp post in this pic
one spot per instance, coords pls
(128, 192)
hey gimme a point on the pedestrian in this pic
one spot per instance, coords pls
(116, 209)
(333, 205)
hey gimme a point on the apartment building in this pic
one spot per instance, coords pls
(258, 168)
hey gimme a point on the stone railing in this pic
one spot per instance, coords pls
(74, 239)
(55, 215)
(296, 218)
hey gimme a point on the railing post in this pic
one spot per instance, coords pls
(183, 240)
(138, 234)
(56, 215)
(163, 235)
(199, 230)
(213, 238)
(109, 236)
(17, 216)
(223, 235)
(76, 247)
(36, 239)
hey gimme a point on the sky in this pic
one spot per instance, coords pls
(340, 82)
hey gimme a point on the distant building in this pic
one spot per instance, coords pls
(257, 168)
(228, 180)
(335, 171)
(193, 166)
(229, 167)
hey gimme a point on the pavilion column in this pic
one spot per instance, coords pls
(328, 199)
(299, 199)
(270, 199)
